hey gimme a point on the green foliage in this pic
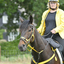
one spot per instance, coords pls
(1, 33)
(62, 4)
(11, 48)
(36, 7)
(21, 0)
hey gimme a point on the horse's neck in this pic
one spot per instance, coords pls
(40, 44)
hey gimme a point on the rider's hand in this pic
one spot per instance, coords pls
(53, 31)
(37, 30)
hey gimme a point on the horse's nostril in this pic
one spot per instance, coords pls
(20, 47)
(23, 45)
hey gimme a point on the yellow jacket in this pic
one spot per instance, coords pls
(59, 23)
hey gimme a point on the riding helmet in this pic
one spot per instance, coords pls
(53, 0)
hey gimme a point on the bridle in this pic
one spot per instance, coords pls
(27, 41)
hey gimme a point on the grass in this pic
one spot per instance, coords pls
(15, 63)
(16, 58)
(20, 59)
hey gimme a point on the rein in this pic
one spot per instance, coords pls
(48, 34)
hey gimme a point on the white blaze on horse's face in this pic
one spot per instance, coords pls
(26, 30)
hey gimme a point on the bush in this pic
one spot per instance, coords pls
(11, 48)
(1, 33)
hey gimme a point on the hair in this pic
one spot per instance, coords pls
(48, 5)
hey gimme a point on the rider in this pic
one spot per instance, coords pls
(53, 21)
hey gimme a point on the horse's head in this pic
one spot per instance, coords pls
(26, 30)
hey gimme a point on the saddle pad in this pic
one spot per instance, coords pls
(59, 55)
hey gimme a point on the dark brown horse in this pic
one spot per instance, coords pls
(41, 50)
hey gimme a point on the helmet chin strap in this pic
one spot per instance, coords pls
(53, 8)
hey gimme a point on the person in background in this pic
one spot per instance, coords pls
(53, 21)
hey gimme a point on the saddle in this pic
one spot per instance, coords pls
(55, 45)
(52, 42)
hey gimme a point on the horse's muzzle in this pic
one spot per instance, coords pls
(22, 47)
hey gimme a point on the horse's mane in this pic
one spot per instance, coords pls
(38, 36)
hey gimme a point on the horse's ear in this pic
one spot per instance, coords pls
(31, 19)
(21, 19)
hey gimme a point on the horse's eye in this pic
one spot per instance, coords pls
(29, 30)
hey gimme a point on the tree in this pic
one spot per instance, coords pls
(10, 7)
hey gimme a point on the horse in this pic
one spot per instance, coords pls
(42, 52)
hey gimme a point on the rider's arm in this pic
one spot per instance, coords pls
(60, 27)
(42, 25)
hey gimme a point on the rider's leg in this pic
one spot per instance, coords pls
(61, 41)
